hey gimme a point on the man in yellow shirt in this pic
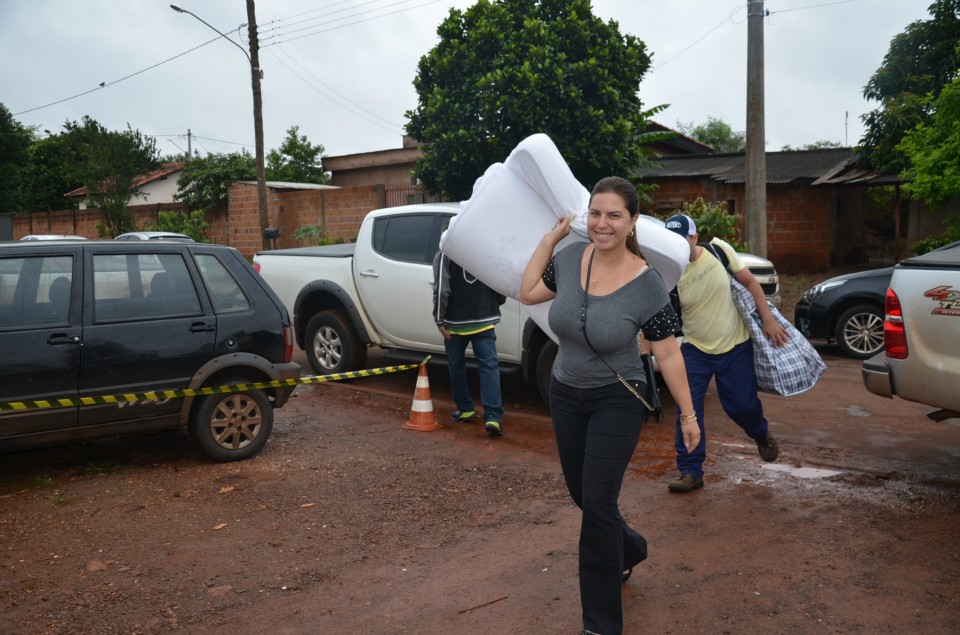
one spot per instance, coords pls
(717, 345)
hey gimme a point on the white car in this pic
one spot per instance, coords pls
(174, 236)
(52, 237)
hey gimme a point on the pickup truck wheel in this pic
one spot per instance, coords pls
(232, 426)
(859, 331)
(545, 369)
(332, 344)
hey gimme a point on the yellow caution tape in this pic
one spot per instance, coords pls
(157, 395)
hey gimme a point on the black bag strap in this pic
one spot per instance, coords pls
(583, 319)
(719, 254)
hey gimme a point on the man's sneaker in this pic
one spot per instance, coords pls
(686, 483)
(768, 449)
(493, 428)
(463, 415)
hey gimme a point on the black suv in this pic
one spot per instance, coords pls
(84, 320)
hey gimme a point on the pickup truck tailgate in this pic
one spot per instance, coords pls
(928, 291)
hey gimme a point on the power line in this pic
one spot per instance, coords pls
(117, 81)
(352, 107)
(333, 28)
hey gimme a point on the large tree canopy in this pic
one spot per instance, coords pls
(933, 151)
(919, 63)
(296, 160)
(110, 162)
(506, 69)
(15, 141)
(85, 154)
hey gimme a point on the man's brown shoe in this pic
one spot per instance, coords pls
(768, 448)
(686, 483)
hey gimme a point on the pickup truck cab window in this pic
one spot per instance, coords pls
(409, 238)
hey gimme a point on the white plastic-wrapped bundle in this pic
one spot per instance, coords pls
(516, 202)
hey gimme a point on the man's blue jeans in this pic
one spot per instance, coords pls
(736, 381)
(485, 354)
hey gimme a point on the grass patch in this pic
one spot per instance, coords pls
(43, 481)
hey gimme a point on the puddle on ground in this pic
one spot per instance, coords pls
(857, 411)
(802, 472)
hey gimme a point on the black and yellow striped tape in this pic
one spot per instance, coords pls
(157, 395)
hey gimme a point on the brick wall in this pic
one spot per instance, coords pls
(82, 222)
(803, 223)
(340, 211)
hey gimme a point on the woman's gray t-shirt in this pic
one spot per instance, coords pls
(612, 322)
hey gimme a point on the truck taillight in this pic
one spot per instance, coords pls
(894, 334)
(256, 266)
(287, 344)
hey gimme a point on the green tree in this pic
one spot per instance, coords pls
(717, 134)
(933, 154)
(918, 64)
(108, 166)
(15, 140)
(506, 69)
(822, 144)
(194, 224)
(52, 170)
(204, 180)
(714, 221)
(297, 160)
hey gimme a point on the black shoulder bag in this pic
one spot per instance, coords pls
(650, 400)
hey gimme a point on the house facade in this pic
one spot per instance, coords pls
(816, 200)
(156, 187)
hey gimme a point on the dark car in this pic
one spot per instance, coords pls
(82, 322)
(848, 309)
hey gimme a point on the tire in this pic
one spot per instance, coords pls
(333, 345)
(232, 426)
(548, 353)
(859, 331)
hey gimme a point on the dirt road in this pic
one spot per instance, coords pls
(347, 523)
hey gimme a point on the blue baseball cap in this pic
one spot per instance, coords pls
(682, 225)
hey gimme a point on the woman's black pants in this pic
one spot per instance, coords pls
(597, 430)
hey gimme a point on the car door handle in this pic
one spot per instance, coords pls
(59, 339)
(369, 274)
(202, 327)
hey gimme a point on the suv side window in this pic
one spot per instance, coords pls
(142, 286)
(35, 291)
(227, 295)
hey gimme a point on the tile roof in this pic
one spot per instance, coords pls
(829, 166)
(148, 177)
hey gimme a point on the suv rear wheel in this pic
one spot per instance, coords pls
(232, 426)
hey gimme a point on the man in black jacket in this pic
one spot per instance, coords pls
(466, 312)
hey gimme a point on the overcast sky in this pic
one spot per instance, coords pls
(342, 70)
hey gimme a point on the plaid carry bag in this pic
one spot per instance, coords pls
(789, 370)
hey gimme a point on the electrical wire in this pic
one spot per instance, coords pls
(353, 107)
(117, 81)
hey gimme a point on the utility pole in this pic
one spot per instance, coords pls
(256, 75)
(258, 121)
(756, 156)
(189, 145)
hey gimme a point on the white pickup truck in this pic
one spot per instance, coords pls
(921, 334)
(378, 292)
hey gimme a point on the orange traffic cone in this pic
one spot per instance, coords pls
(421, 413)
